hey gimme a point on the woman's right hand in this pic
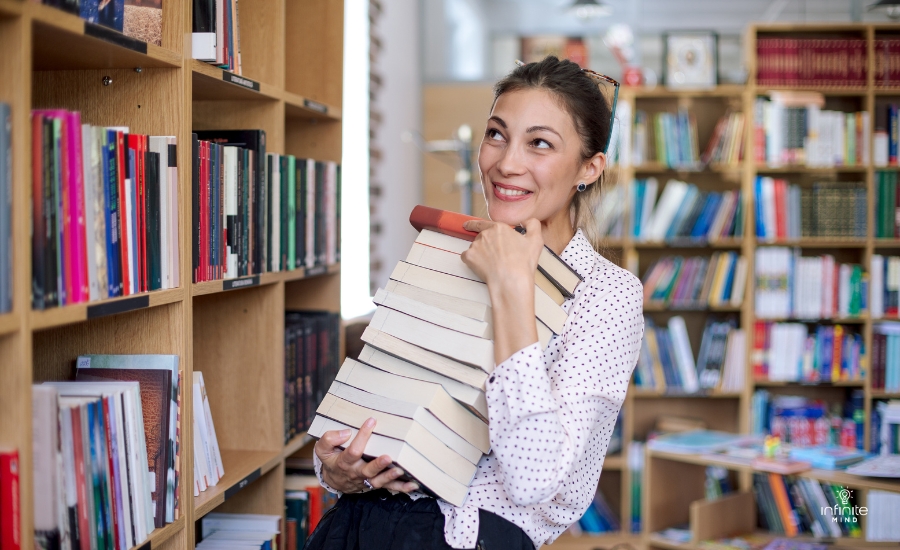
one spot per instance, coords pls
(345, 470)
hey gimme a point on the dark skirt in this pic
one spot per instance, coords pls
(378, 520)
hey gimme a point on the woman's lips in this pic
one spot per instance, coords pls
(509, 193)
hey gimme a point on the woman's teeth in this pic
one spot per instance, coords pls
(511, 192)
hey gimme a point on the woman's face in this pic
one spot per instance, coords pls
(530, 158)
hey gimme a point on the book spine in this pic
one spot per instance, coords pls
(10, 512)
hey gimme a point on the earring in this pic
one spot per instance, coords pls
(581, 187)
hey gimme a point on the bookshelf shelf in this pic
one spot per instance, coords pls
(816, 242)
(841, 320)
(297, 443)
(836, 383)
(75, 313)
(725, 91)
(881, 394)
(658, 541)
(826, 91)
(241, 469)
(649, 394)
(887, 91)
(887, 243)
(796, 169)
(228, 285)
(297, 106)
(161, 535)
(614, 462)
(212, 83)
(9, 323)
(657, 308)
(685, 243)
(65, 41)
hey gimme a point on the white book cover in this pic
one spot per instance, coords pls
(174, 245)
(876, 288)
(665, 211)
(651, 188)
(684, 357)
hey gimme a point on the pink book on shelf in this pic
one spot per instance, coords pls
(76, 204)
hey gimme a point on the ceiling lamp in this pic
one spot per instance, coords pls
(891, 8)
(589, 9)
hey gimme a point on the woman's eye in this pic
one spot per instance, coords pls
(494, 134)
(541, 144)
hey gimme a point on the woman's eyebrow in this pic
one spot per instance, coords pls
(498, 120)
(541, 128)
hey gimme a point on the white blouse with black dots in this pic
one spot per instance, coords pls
(552, 413)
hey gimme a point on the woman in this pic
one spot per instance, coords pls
(551, 411)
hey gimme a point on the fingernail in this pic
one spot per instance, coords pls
(397, 472)
(384, 461)
(415, 486)
(370, 422)
(345, 433)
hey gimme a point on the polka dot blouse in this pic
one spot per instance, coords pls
(552, 412)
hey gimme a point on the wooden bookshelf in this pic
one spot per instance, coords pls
(291, 87)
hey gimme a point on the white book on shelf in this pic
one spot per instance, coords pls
(229, 168)
(684, 357)
(651, 188)
(160, 146)
(203, 46)
(665, 211)
(876, 286)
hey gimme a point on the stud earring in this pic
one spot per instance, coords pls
(581, 187)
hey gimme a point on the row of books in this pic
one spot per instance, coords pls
(789, 285)
(887, 61)
(884, 286)
(826, 62)
(208, 465)
(666, 361)
(249, 531)
(793, 505)
(726, 146)
(793, 128)
(106, 452)
(105, 211)
(610, 212)
(882, 524)
(803, 422)
(791, 352)
(684, 212)
(886, 427)
(10, 507)
(138, 19)
(886, 357)
(216, 33)
(788, 211)
(257, 212)
(887, 207)
(428, 352)
(672, 136)
(696, 282)
(6, 183)
(886, 139)
(305, 502)
(311, 361)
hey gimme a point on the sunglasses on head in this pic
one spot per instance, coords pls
(609, 87)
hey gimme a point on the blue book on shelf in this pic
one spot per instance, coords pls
(696, 441)
(894, 133)
(760, 223)
(639, 190)
(704, 222)
(828, 457)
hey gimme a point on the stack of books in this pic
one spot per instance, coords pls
(105, 211)
(666, 362)
(886, 138)
(795, 61)
(885, 435)
(888, 506)
(791, 506)
(106, 452)
(884, 286)
(610, 216)
(684, 212)
(696, 282)
(218, 531)
(727, 143)
(886, 207)
(216, 34)
(305, 501)
(791, 352)
(792, 286)
(804, 422)
(673, 137)
(787, 211)
(886, 357)
(208, 465)
(793, 129)
(428, 352)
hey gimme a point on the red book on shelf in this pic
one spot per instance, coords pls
(760, 365)
(76, 196)
(315, 506)
(38, 233)
(115, 507)
(84, 513)
(134, 148)
(10, 514)
(780, 218)
(65, 211)
(202, 275)
(124, 226)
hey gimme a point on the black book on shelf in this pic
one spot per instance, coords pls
(154, 228)
(204, 16)
(301, 212)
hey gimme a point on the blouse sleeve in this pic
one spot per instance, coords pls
(317, 465)
(541, 419)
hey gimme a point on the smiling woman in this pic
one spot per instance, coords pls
(551, 411)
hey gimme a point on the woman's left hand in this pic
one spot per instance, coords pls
(500, 254)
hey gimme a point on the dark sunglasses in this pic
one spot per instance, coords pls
(609, 87)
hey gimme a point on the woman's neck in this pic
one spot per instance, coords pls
(557, 232)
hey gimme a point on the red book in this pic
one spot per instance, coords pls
(38, 229)
(10, 514)
(123, 214)
(315, 506)
(780, 219)
(84, 519)
(115, 507)
(134, 148)
(760, 368)
(76, 196)
(204, 211)
(442, 221)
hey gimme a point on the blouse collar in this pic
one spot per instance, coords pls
(579, 254)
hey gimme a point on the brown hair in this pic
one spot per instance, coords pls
(581, 97)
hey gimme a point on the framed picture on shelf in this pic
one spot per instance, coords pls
(691, 59)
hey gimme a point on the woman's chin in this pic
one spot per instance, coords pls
(507, 213)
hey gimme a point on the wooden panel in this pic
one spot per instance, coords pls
(314, 49)
(264, 496)
(676, 486)
(240, 115)
(313, 138)
(148, 102)
(238, 341)
(154, 330)
(262, 39)
(446, 107)
(719, 414)
(315, 293)
(242, 470)
(729, 516)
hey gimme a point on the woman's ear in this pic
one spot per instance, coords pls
(593, 167)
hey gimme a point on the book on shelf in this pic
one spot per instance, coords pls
(788, 211)
(6, 210)
(887, 207)
(684, 213)
(791, 352)
(878, 466)
(635, 460)
(793, 128)
(888, 429)
(794, 506)
(696, 282)
(10, 511)
(789, 285)
(888, 506)
(885, 357)
(208, 465)
(695, 441)
(306, 501)
(805, 422)
(137, 19)
(800, 61)
(667, 138)
(610, 215)
(726, 146)
(312, 359)
(599, 517)
(104, 485)
(216, 33)
(256, 212)
(221, 530)
(105, 211)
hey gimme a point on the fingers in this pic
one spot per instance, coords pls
(478, 226)
(354, 450)
(330, 441)
(375, 467)
(384, 478)
(402, 486)
(532, 226)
